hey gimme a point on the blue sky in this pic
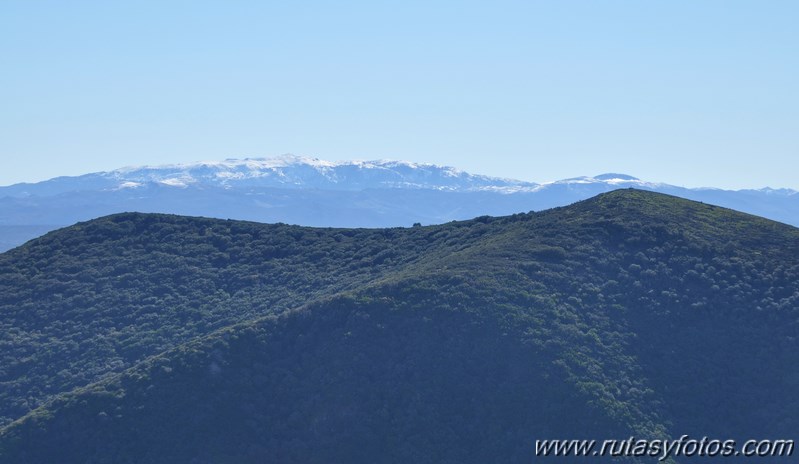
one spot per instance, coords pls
(694, 93)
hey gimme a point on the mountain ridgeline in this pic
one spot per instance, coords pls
(318, 193)
(152, 338)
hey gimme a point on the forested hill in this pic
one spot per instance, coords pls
(95, 298)
(150, 338)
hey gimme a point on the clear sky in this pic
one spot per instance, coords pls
(690, 92)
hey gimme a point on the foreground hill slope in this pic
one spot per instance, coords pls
(632, 313)
(96, 298)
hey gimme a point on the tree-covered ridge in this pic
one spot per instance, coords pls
(97, 297)
(629, 314)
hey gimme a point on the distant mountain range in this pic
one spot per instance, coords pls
(313, 192)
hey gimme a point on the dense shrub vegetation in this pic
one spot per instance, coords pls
(95, 298)
(150, 338)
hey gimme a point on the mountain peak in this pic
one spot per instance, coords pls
(614, 176)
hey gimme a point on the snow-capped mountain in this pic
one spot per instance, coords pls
(315, 192)
(288, 171)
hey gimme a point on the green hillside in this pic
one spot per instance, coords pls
(94, 299)
(166, 339)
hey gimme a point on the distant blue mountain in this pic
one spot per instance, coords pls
(313, 192)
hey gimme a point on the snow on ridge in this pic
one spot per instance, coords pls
(259, 164)
(129, 185)
(177, 182)
(615, 176)
(607, 179)
(773, 191)
(293, 170)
